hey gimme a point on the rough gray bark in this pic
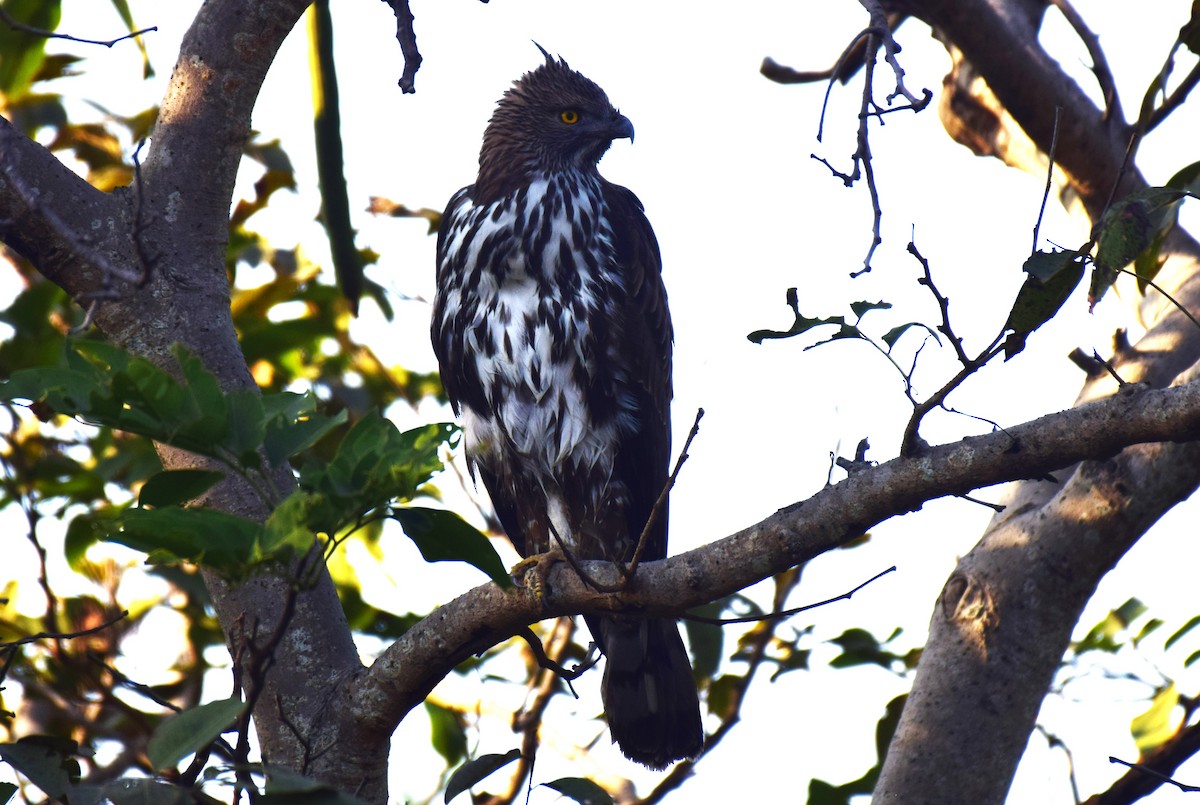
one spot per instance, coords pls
(1005, 617)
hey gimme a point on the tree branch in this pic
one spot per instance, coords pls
(402, 676)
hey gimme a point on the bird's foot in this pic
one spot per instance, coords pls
(531, 572)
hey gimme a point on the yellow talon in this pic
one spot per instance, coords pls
(531, 572)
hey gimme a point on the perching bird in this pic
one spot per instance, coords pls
(551, 328)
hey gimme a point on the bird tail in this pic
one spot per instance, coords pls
(649, 695)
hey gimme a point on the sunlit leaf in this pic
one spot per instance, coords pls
(1182, 631)
(1159, 722)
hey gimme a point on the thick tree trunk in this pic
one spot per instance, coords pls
(1005, 617)
(171, 229)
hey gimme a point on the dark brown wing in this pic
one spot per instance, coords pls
(644, 455)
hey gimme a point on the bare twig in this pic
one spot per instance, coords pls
(1155, 774)
(16, 25)
(528, 721)
(787, 613)
(1108, 367)
(1037, 226)
(7, 644)
(882, 28)
(943, 303)
(547, 663)
(877, 34)
(1175, 99)
(782, 74)
(406, 35)
(756, 641)
(1104, 77)
(656, 512)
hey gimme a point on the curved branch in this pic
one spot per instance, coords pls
(410, 667)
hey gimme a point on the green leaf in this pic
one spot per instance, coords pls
(1130, 611)
(860, 647)
(85, 530)
(24, 52)
(448, 735)
(893, 335)
(1152, 625)
(1186, 178)
(176, 487)
(443, 536)
(293, 425)
(860, 309)
(471, 772)
(1155, 726)
(190, 731)
(580, 789)
(706, 640)
(802, 324)
(375, 464)
(1103, 636)
(1052, 278)
(224, 542)
(290, 525)
(46, 760)
(886, 727)
(1127, 229)
(211, 406)
(1182, 631)
(247, 426)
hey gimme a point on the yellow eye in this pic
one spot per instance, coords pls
(569, 116)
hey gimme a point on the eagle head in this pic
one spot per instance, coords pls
(552, 119)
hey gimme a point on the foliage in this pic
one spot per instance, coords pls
(80, 465)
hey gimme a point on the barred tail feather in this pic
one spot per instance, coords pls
(649, 695)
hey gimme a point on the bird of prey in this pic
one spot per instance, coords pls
(552, 332)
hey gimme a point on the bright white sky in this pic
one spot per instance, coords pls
(722, 165)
